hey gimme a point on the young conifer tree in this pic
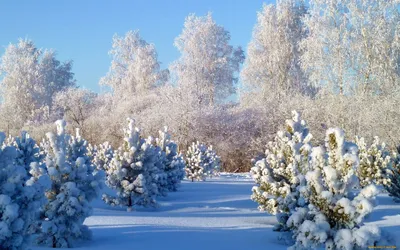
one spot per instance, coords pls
(22, 184)
(174, 163)
(75, 182)
(281, 173)
(130, 171)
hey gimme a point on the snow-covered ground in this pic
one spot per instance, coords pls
(216, 214)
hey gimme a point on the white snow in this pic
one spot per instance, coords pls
(215, 214)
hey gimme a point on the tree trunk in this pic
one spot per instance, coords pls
(129, 209)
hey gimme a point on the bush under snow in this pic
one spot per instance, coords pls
(201, 162)
(75, 182)
(132, 170)
(21, 192)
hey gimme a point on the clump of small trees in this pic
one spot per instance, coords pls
(321, 194)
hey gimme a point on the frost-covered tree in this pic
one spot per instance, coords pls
(21, 193)
(394, 175)
(375, 45)
(27, 150)
(281, 173)
(75, 106)
(326, 50)
(74, 184)
(352, 46)
(208, 63)
(375, 162)
(134, 67)
(29, 79)
(272, 64)
(201, 162)
(131, 170)
(334, 217)
(102, 155)
(174, 163)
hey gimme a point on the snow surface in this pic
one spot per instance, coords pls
(215, 214)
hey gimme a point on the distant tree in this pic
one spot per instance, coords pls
(201, 162)
(208, 63)
(134, 66)
(272, 66)
(29, 79)
(352, 46)
(75, 105)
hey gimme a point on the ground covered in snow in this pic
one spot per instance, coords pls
(215, 214)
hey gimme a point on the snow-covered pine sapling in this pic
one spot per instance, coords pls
(195, 159)
(174, 163)
(394, 175)
(158, 174)
(129, 171)
(27, 149)
(280, 174)
(21, 193)
(74, 184)
(101, 154)
(334, 217)
(375, 161)
(200, 161)
(213, 162)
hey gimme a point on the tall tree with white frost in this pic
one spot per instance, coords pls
(208, 63)
(353, 46)
(272, 65)
(23, 181)
(130, 171)
(75, 106)
(134, 67)
(74, 184)
(30, 78)
(174, 163)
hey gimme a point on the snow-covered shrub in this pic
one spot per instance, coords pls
(75, 182)
(334, 216)
(394, 175)
(130, 171)
(173, 162)
(201, 161)
(21, 193)
(27, 149)
(280, 174)
(374, 163)
(101, 154)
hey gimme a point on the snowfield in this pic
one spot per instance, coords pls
(215, 214)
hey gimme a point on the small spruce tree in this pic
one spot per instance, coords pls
(130, 171)
(394, 175)
(21, 192)
(174, 163)
(201, 161)
(74, 183)
(280, 174)
(374, 163)
(334, 217)
(101, 154)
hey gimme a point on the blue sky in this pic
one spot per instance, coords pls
(82, 30)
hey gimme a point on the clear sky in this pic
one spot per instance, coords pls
(82, 30)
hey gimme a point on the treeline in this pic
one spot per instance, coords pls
(338, 62)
